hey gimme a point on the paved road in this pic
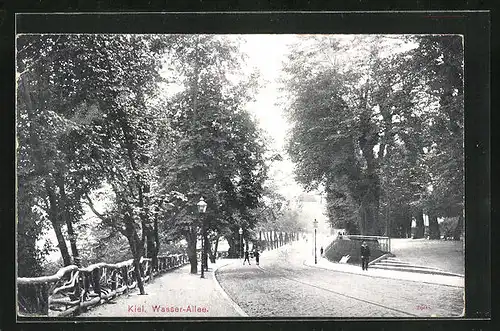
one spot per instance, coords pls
(283, 286)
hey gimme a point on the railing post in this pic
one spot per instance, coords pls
(95, 281)
(113, 280)
(124, 271)
(78, 288)
(44, 296)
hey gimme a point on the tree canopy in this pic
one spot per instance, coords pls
(379, 121)
(98, 110)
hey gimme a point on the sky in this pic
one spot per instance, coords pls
(267, 53)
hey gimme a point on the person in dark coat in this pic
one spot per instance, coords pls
(365, 255)
(247, 257)
(321, 251)
(257, 255)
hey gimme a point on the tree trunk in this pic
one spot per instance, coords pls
(367, 141)
(205, 249)
(191, 248)
(40, 165)
(406, 224)
(54, 219)
(373, 218)
(157, 244)
(387, 218)
(457, 232)
(64, 212)
(433, 227)
(362, 223)
(137, 251)
(420, 228)
(151, 250)
(233, 251)
(72, 241)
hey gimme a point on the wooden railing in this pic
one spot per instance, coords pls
(72, 290)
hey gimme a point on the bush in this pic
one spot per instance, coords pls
(448, 226)
(342, 247)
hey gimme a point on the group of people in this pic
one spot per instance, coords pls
(365, 256)
(256, 254)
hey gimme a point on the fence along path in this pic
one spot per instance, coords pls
(72, 290)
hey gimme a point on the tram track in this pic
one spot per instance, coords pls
(283, 285)
(338, 293)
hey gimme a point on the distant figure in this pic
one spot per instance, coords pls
(247, 258)
(365, 255)
(256, 254)
(321, 251)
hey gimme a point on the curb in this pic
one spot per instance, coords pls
(379, 276)
(224, 294)
(418, 269)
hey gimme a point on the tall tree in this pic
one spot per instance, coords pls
(216, 151)
(125, 73)
(49, 128)
(443, 69)
(359, 106)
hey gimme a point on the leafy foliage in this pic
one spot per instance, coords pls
(379, 122)
(98, 109)
(215, 149)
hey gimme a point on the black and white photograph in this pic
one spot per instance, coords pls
(240, 175)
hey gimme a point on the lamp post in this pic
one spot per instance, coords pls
(315, 226)
(202, 207)
(240, 231)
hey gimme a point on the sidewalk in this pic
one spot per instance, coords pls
(323, 263)
(174, 294)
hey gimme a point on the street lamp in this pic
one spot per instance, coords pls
(315, 226)
(202, 208)
(240, 231)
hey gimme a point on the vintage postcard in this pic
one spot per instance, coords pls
(213, 175)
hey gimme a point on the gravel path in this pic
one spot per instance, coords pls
(283, 286)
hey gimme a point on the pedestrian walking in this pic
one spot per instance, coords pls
(247, 257)
(321, 251)
(256, 254)
(365, 255)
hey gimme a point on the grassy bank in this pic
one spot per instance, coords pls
(445, 255)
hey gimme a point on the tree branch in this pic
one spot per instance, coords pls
(91, 205)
